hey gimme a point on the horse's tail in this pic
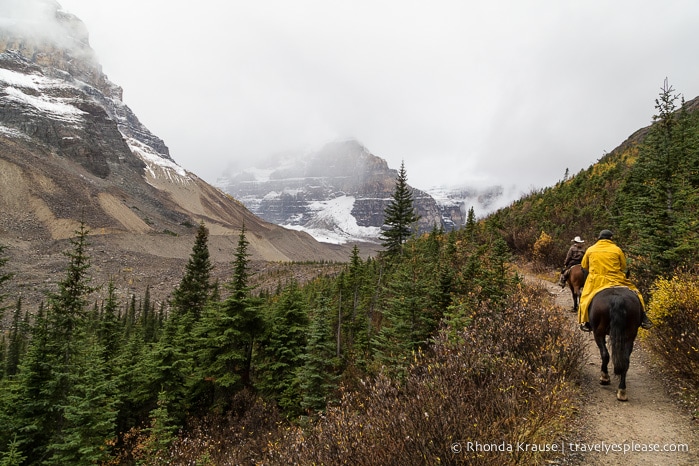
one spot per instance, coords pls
(617, 334)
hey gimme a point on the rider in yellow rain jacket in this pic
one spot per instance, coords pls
(605, 263)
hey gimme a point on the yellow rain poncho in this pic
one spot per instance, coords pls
(606, 264)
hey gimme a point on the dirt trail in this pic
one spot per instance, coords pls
(650, 419)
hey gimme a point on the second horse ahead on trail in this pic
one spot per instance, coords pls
(575, 281)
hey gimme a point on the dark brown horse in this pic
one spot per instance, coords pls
(615, 312)
(576, 280)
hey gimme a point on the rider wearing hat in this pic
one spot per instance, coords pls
(574, 257)
(605, 264)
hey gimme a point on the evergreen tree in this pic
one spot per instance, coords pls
(4, 277)
(67, 308)
(109, 327)
(161, 431)
(193, 292)
(228, 331)
(399, 215)
(51, 369)
(358, 292)
(169, 366)
(131, 366)
(283, 349)
(32, 409)
(49, 373)
(17, 341)
(316, 378)
(471, 226)
(149, 318)
(89, 413)
(130, 317)
(12, 456)
(496, 280)
(658, 202)
(410, 316)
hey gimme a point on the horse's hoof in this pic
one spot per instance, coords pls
(621, 395)
(604, 379)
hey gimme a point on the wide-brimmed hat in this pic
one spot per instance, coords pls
(577, 240)
(605, 234)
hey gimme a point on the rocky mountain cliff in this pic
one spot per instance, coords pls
(71, 151)
(338, 193)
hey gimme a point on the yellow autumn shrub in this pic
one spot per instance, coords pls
(542, 249)
(674, 309)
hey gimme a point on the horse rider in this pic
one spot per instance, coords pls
(605, 265)
(574, 257)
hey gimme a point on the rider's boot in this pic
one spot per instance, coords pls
(586, 327)
(645, 322)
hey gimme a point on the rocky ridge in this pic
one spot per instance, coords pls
(339, 193)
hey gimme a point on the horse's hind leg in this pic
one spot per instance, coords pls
(604, 354)
(621, 390)
(574, 292)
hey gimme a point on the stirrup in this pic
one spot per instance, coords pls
(586, 327)
(646, 324)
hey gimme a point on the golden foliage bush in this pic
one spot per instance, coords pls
(542, 250)
(674, 309)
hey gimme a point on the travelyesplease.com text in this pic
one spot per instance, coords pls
(562, 447)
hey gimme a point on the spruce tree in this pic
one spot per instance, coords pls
(4, 277)
(161, 431)
(399, 215)
(33, 408)
(409, 315)
(357, 290)
(471, 226)
(316, 377)
(193, 292)
(283, 347)
(149, 318)
(658, 202)
(17, 341)
(89, 414)
(227, 332)
(131, 366)
(13, 455)
(67, 308)
(170, 365)
(109, 327)
(48, 373)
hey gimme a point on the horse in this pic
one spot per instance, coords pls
(576, 280)
(616, 312)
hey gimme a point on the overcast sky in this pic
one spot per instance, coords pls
(490, 92)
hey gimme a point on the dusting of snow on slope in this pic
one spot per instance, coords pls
(157, 166)
(333, 223)
(12, 133)
(58, 108)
